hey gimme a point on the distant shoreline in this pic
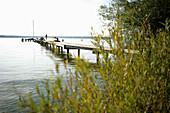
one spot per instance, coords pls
(15, 36)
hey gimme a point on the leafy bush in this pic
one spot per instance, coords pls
(123, 82)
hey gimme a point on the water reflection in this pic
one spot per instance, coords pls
(63, 56)
(25, 63)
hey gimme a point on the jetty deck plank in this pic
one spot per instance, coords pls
(67, 45)
(79, 46)
(88, 47)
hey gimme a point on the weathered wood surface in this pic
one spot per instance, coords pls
(79, 46)
(67, 45)
(87, 47)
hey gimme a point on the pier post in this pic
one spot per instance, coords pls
(97, 57)
(78, 52)
(61, 49)
(50, 46)
(58, 49)
(53, 48)
(67, 52)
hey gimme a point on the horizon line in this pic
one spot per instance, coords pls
(40, 36)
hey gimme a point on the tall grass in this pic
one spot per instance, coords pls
(123, 82)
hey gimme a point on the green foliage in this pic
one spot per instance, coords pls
(123, 82)
(136, 13)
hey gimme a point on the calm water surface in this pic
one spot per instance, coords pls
(22, 64)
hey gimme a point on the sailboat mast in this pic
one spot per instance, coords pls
(33, 27)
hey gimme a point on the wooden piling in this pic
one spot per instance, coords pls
(97, 54)
(58, 47)
(68, 46)
(50, 46)
(61, 49)
(67, 52)
(78, 52)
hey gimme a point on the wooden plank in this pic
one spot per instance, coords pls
(86, 47)
(79, 46)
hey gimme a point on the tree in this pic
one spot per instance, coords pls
(137, 13)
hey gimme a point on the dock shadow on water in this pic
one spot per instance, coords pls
(60, 54)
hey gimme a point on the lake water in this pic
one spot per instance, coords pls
(22, 64)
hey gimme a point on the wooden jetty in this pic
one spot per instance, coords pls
(64, 45)
(29, 39)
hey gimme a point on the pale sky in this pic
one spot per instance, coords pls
(51, 17)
